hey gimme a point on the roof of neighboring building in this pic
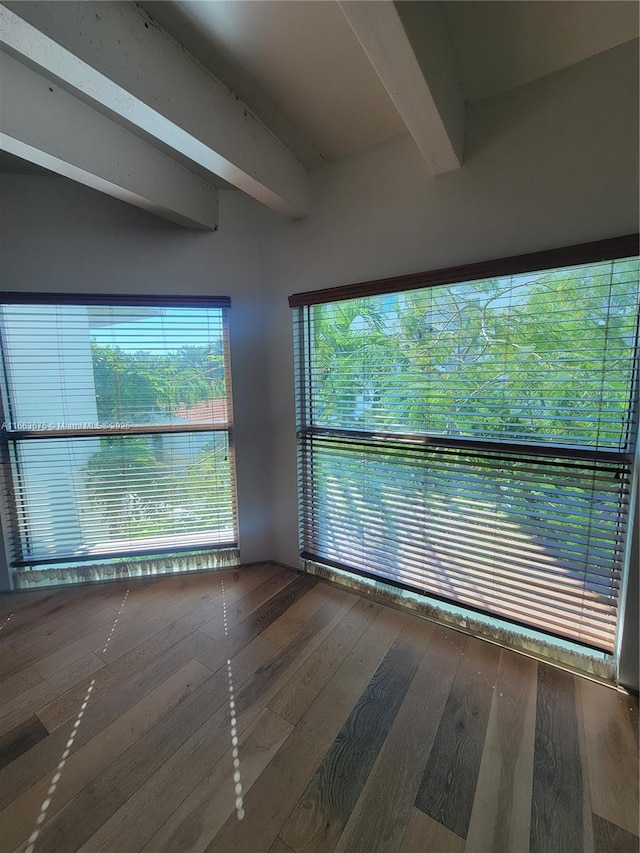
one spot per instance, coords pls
(206, 411)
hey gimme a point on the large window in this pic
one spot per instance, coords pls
(470, 435)
(116, 431)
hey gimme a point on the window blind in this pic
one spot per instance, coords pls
(474, 440)
(117, 424)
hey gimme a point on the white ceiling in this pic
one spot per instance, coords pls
(301, 70)
(295, 63)
(194, 95)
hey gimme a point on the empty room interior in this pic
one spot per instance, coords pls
(319, 443)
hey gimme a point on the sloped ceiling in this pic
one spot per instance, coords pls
(163, 103)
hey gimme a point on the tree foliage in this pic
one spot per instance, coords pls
(143, 387)
(154, 485)
(160, 485)
(509, 358)
(545, 358)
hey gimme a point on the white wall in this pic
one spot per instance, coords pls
(550, 164)
(60, 237)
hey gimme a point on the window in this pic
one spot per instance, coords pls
(116, 437)
(469, 434)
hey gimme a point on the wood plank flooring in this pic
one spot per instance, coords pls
(259, 710)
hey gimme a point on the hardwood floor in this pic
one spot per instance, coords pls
(356, 728)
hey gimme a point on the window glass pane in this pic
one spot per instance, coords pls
(151, 379)
(503, 534)
(89, 496)
(81, 367)
(545, 357)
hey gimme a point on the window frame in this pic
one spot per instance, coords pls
(581, 254)
(9, 437)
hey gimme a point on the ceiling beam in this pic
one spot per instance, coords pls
(118, 59)
(408, 49)
(65, 135)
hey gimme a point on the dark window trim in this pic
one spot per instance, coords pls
(110, 299)
(160, 429)
(103, 556)
(582, 253)
(420, 442)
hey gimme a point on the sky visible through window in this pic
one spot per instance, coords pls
(171, 329)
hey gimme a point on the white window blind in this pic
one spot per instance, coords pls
(117, 418)
(474, 440)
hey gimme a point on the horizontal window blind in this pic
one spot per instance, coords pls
(502, 534)
(544, 358)
(474, 441)
(117, 428)
(113, 366)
